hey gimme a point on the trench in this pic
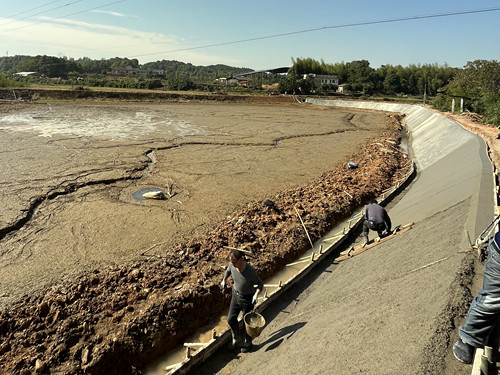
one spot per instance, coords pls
(173, 360)
(271, 285)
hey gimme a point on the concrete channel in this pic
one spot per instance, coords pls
(451, 165)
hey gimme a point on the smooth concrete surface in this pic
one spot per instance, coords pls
(452, 166)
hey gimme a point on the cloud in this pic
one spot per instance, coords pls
(75, 39)
(116, 14)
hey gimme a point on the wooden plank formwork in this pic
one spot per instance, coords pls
(195, 357)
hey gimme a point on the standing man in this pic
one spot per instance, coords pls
(377, 219)
(246, 287)
(484, 310)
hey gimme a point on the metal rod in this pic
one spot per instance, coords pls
(340, 234)
(304, 226)
(298, 262)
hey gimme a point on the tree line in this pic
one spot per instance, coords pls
(478, 82)
(386, 80)
(179, 75)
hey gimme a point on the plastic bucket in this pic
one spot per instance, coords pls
(254, 323)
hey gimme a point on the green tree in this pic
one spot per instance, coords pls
(479, 83)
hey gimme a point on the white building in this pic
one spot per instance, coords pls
(323, 79)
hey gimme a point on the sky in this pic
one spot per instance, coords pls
(255, 34)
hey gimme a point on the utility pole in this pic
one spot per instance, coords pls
(425, 92)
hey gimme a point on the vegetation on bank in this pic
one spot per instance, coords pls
(6, 82)
(478, 83)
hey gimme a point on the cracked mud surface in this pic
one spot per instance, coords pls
(90, 296)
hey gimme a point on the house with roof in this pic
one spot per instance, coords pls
(322, 79)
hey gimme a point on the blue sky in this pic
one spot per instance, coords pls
(151, 30)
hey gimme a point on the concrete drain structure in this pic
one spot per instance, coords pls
(452, 167)
(196, 353)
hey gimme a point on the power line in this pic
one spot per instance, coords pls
(67, 15)
(37, 14)
(402, 19)
(29, 10)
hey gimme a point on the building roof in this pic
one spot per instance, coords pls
(283, 69)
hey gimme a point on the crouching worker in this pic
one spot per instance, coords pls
(377, 219)
(246, 287)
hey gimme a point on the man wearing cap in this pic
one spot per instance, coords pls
(246, 287)
(377, 219)
(484, 310)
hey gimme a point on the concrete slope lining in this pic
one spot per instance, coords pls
(452, 166)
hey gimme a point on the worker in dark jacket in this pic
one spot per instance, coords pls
(484, 311)
(377, 219)
(246, 287)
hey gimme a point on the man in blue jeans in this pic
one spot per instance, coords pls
(246, 287)
(484, 309)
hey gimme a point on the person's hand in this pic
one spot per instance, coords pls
(223, 284)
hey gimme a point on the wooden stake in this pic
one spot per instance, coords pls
(214, 334)
(188, 352)
(488, 352)
(476, 365)
(171, 367)
(191, 344)
(485, 365)
(304, 226)
(321, 249)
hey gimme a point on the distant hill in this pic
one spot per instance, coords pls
(52, 67)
